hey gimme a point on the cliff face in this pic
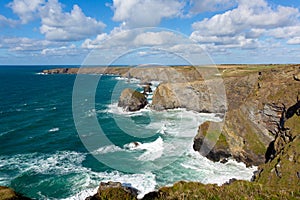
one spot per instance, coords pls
(191, 95)
(256, 97)
(144, 73)
(278, 178)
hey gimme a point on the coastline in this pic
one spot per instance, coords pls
(243, 108)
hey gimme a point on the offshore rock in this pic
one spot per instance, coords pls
(131, 100)
(114, 191)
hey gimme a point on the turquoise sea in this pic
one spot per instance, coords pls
(43, 157)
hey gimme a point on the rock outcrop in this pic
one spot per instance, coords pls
(256, 101)
(210, 142)
(282, 167)
(7, 193)
(131, 100)
(114, 190)
(194, 95)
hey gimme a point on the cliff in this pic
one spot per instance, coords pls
(278, 178)
(144, 72)
(256, 97)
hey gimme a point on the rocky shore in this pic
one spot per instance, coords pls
(261, 126)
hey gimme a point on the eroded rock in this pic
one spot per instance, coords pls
(114, 190)
(131, 100)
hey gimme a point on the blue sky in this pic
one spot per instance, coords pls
(228, 31)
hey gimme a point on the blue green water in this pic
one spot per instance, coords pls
(43, 157)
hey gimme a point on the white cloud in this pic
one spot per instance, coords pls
(155, 38)
(25, 44)
(199, 6)
(61, 26)
(244, 26)
(61, 51)
(285, 32)
(248, 15)
(27, 10)
(295, 40)
(7, 22)
(145, 13)
(92, 44)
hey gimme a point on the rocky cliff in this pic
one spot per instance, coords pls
(256, 97)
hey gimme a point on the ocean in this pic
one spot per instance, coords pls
(42, 155)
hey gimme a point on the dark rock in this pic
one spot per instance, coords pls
(297, 77)
(224, 160)
(7, 193)
(147, 89)
(232, 180)
(132, 100)
(114, 190)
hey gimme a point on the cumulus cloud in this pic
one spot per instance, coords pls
(295, 40)
(56, 24)
(245, 24)
(143, 13)
(211, 5)
(27, 10)
(61, 26)
(255, 14)
(285, 32)
(92, 44)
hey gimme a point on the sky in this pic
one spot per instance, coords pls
(53, 32)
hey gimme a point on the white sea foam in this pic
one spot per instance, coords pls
(128, 80)
(153, 150)
(84, 182)
(107, 149)
(56, 129)
(216, 172)
(145, 183)
(115, 109)
(41, 73)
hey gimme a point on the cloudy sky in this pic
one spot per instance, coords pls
(229, 31)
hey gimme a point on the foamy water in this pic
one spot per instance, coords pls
(42, 156)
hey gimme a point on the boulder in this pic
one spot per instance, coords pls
(132, 100)
(7, 193)
(297, 77)
(147, 89)
(114, 190)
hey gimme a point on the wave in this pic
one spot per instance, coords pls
(83, 179)
(153, 150)
(56, 129)
(145, 183)
(107, 149)
(216, 172)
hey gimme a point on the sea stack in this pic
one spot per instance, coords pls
(132, 100)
